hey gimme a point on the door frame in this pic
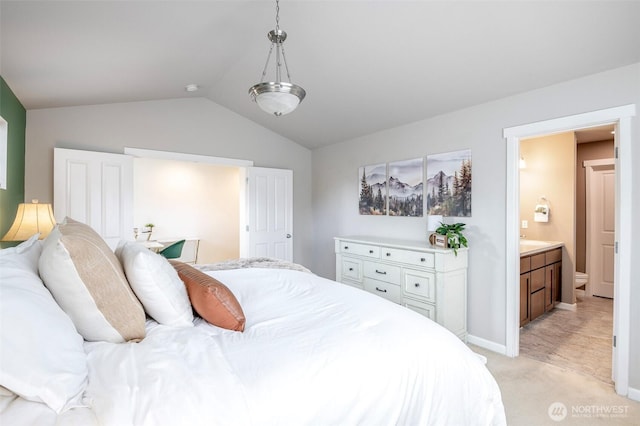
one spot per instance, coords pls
(621, 118)
(589, 166)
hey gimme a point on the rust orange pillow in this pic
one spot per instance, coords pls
(211, 299)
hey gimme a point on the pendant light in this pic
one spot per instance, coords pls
(277, 97)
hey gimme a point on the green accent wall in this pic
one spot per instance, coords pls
(16, 116)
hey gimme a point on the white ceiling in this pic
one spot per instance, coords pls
(366, 65)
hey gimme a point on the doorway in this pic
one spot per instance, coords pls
(576, 333)
(620, 117)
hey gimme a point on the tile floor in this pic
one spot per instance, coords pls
(579, 341)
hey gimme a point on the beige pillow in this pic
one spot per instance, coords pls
(88, 282)
(211, 299)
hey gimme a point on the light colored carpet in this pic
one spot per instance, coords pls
(530, 387)
(577, 340)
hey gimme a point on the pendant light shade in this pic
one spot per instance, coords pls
(277, 97)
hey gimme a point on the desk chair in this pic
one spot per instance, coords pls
(173, 250)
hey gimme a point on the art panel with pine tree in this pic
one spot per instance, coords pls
(449, 184)
(373, 189)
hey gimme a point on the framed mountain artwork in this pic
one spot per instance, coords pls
(449, 184)
(373, 189)
(405, 186)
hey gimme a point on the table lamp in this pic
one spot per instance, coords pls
(31, 218)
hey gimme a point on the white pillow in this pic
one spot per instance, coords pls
(156, 283)
(87, 281)
(42, 354)
(30, 253)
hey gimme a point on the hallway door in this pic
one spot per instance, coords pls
(268, 210)
(601, 190)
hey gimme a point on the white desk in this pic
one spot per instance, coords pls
(189, 250)
(151, 245)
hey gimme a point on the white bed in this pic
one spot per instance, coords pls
(313, 352)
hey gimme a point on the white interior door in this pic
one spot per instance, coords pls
(600, 188)
(268, 213)
(95, 188)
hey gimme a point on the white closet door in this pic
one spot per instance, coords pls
(95, 188)
(268, 224)
(601, 226)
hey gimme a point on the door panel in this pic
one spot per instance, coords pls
(268, 222)
(601, 228)
(95, 188)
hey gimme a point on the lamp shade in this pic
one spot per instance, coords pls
(31, 218)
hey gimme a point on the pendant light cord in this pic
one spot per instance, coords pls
(279, 52)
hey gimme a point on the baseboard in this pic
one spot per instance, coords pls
(567, 306)
(487, 344)
(634, 394)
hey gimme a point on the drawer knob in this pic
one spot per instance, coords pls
(346, 247)
(381, 272)
(381, 290)
(422, 259)
(371, 251)
(388, 254)
(417, 284)
(351, 269)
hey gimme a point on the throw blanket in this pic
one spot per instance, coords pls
(253, 262)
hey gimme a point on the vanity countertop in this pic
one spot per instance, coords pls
(529, 247)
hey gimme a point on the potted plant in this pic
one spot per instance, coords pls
(454, 237)
(149, 230)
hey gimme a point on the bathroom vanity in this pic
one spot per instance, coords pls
(540, 278)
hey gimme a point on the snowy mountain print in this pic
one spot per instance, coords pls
(406, 188)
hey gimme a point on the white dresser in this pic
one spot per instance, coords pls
(428, 280)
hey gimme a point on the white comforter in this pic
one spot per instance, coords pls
(314, 352)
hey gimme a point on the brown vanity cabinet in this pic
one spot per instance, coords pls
(540, 281)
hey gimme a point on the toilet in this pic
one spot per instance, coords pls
(582, 279)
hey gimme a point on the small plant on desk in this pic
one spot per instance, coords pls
(149, 230)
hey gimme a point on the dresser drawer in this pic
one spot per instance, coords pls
(419, 284)
(425, 309)
(410, 257)
(352, 269)
(382, 272)
(383, 289)
(360, 249)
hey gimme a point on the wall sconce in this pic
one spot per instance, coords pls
(31, 218)
(523, 164)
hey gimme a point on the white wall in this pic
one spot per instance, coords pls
(189, 200)
(194, 126)
(480, 129)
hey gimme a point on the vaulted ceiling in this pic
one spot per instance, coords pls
(366, 65)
